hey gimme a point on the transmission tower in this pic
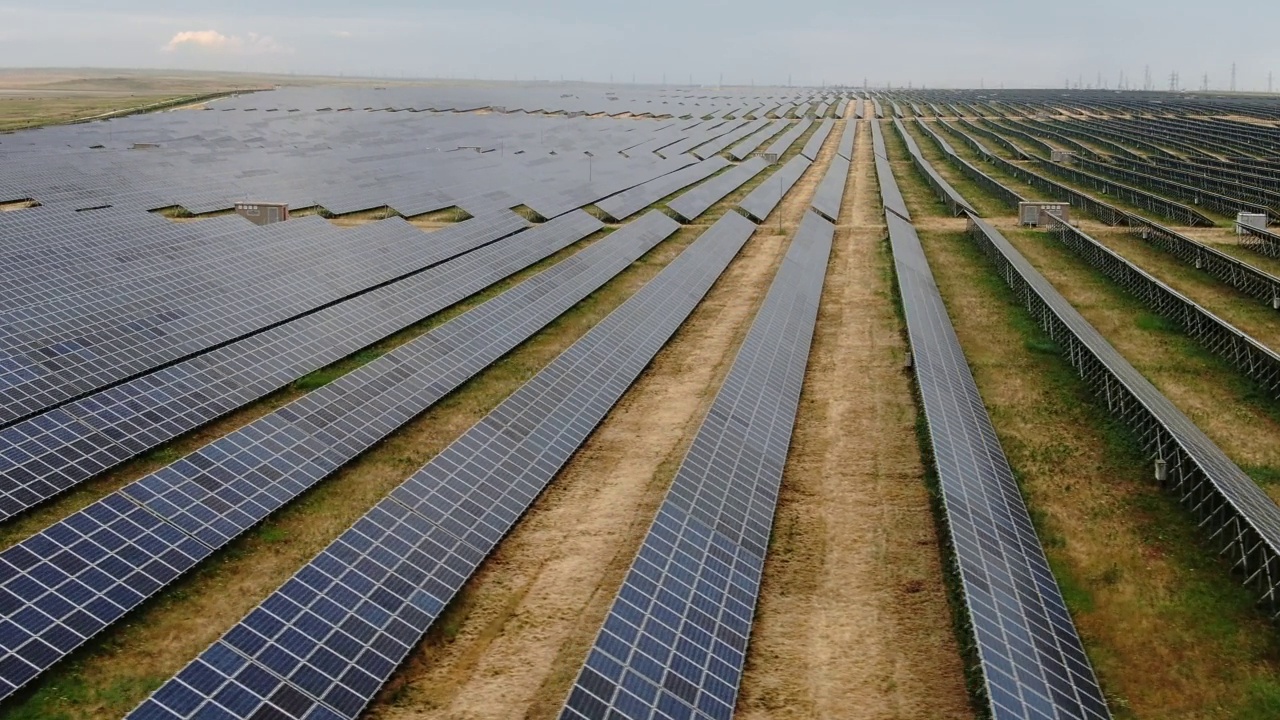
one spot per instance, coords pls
(1146, 78)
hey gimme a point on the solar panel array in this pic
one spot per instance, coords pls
(788, 138)
(698, 200)
(765, 197)
(71, 580)
(625, 204)
(674, 642)
(323, 644)
(753, 142)
(58, 449)
(829, 196)
(69, 344)
(816, 140)
(1031, 658)
(718, 145)
(890, 195)
(847, 137)
(945, 192)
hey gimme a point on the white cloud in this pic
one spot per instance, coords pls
(212, 40)
(341, 33)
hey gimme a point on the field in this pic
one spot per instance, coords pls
(511, 419)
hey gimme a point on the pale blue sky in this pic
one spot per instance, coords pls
(934, 42)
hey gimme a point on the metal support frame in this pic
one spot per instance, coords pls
(1238, 518)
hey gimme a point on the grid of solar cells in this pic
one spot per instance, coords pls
(694, 202)
(73, 345)
(765, 197)
(756, 139)
(890, 195)
(217, 492)
(716, 146)
(845, 148)
(334, 633)
(625, 204)
(695, 139)
(829, 196)
(1032, 660)
(816, 140)
(674, 642)
(784, 142)
(945, 191)
(343, 162)
(52, 452)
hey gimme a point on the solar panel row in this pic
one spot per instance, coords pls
(718, 145)
(52, 452)
(61, 353)
(674, 642)
(326, 641)
(63, 585)
(829, 196)
(817, 139)
(784, 142)
(749, 145)
(1242, 351)
(1239, 517)
(947, 194)
(625, 204)
(761, 201)
(847, 137)
(1032, 661)
(890, 195)
(694, 202)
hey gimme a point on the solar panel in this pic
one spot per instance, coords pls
(890, 195)
(1032, 660)
(675, 639)
(762, 200)
(698, 200)
(788, 138)
(946, 193)
(52, 452)
(756, 139)
(817, 139)
(217, 492)
(714, 147)
(829, 196)
(335, 632)
(77, 344)
(625, 204)
(847, 137)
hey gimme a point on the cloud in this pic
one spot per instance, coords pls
(212, 40)
(341, 33)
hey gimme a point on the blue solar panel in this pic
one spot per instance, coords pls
(1031, 658)
(211, 496)
(674, 642)
(340, 626)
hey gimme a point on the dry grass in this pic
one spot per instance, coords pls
(1169, 631)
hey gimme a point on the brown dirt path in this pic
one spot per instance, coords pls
(853, 619)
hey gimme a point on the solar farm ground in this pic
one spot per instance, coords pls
(861, 612)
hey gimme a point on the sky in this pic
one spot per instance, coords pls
(933, 43)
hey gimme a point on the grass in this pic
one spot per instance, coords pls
(1169, 630)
